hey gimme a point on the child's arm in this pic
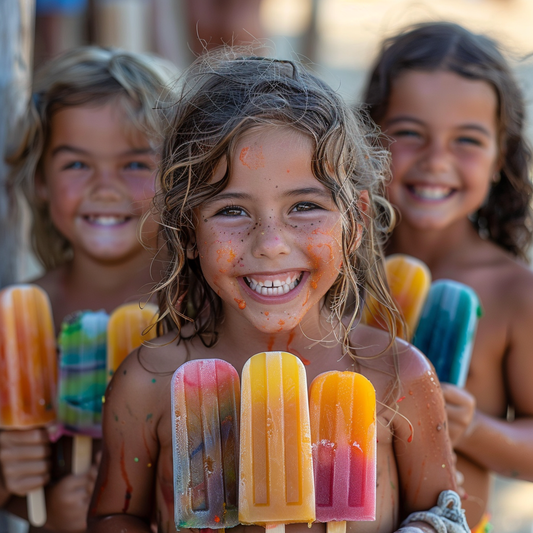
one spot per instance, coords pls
(506, 447)
(124, 491)
(422, 448)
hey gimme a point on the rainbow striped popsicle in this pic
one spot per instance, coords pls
(205, 437)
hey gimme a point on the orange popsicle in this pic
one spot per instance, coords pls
(409, 280)
(127, 330)
(276, 469)
(343, 433)
(28, 369)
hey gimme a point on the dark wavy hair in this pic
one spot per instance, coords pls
(224, 95)
(506, 217)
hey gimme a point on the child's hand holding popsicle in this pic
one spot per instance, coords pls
(24, 460)
(68, 500)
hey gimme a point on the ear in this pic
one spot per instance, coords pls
(363, 205)
(41, 188)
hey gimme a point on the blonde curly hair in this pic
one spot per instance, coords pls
(83, 76)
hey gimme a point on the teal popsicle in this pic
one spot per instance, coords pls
(447, 328)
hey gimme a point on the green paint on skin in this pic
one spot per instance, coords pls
(393, 487)
(116, 417)
(136, 459)
(153, 380)
(148, 416)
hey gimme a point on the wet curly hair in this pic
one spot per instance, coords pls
(223, 96)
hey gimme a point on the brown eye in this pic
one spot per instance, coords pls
(232, 211)
(305, 206)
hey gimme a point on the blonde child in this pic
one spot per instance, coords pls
(86, 163)
(271, 208)
(449, 104)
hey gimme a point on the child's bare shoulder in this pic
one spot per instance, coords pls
(146, 373)
(504, 282)
(397, 359)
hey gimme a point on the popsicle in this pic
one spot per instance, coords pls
(276, 468)
(82, 381)
(343, 436)
(447, 329)
(409, 280)
(205, 438)
(28, 369)
(127, 330)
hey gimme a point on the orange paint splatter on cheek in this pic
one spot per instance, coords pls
(266, 313)
(242, 303)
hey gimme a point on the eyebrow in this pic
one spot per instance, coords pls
(316, 191)
(407, 118)
(76, 150)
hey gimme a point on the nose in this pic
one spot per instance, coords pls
(271, 241)
(106, 185)
(436, 157)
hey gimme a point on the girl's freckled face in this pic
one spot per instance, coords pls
(284, 265)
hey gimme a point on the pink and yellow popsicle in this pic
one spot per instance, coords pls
(343, 432)
(409, 280)
(28, 369)
(205, 436)
(276, 468)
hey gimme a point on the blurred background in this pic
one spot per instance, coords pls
(337, 38)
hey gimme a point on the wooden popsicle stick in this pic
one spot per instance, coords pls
(82, 454)
(275, 528)
(36, 507)
(337, 527)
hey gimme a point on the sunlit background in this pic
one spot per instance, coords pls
(337, 38)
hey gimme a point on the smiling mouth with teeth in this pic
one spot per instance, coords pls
(275, 287)
(106, 220)
(431, 193)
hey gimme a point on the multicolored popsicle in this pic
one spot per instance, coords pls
(409, 280)
(276, 468)
(127, 330)
(343, 433)
(82, 381)
(28, 369)
(205, 437)
(447, 329)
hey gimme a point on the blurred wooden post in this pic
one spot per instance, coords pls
(16, 38)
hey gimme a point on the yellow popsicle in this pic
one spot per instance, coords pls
(125, 332)
(409, 280)
(276, 469)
